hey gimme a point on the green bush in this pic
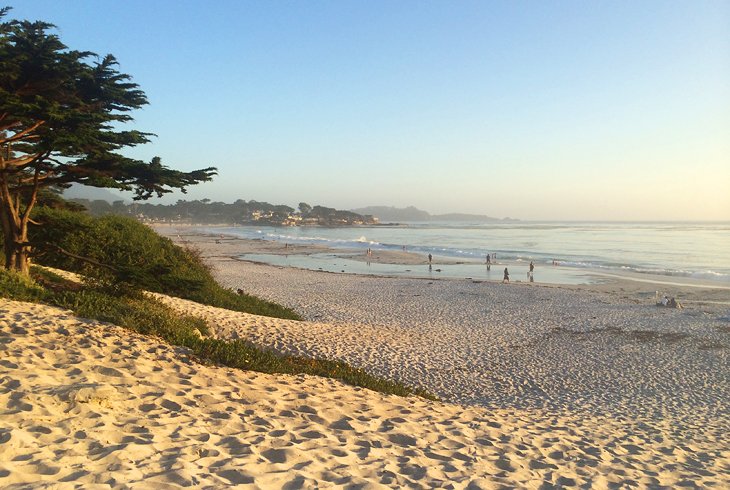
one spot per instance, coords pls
(122, 251)
(138, 313)
(20, 288)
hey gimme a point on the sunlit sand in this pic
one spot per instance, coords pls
(539, 385)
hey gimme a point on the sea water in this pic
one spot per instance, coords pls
(563, 252)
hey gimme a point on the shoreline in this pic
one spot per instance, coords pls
(637, 286)
(462, 265)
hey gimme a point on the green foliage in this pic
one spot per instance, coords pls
(19, 287)
(124, 253)
(138, 313)
(242, 354)
(60, 119)
(64, 112)
(242, 212)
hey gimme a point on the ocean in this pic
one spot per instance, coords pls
(563, 252)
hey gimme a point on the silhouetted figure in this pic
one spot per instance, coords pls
(506, 275)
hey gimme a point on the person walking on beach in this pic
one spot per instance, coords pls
(430, 258)
(506, 276)
(489, 263)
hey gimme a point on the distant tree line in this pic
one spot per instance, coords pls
(242, 212)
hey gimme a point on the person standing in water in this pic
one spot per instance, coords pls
(506, 276)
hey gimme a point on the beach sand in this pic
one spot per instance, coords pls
(542, 387)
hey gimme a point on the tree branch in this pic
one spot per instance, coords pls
(80, 257)
(20, 135)
(21, 162)
(31, 201)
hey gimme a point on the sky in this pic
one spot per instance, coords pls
(536, 110)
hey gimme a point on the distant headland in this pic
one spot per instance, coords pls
(241, 212)
(411, 213)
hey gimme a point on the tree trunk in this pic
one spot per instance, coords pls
(17, 249)
(20, 260)
(15, 226)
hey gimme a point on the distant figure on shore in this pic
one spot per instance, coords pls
(669, 302)
(532, 269)
(430, 258)
(506, 276)
(489, 262)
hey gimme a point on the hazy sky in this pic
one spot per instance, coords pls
(528, 109)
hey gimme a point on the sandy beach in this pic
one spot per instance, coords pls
(541, 387)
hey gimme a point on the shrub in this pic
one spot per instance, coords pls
(121, 251)
(19, 287)
(138, 313)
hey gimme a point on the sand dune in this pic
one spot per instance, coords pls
(84, 403)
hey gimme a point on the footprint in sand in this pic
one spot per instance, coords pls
(402, 440)
(276, 456)
(108, 371)
(342, 424)
(8, 364)
(236, 477)
(171, 405)
(16, 403)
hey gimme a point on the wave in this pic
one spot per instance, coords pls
(357, 242)
(708, 275)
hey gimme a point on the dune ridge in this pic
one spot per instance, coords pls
(90, 403)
